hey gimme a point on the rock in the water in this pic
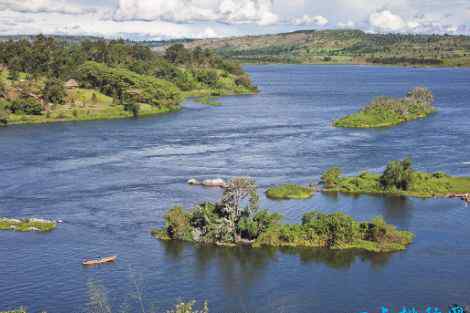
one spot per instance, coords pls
(214, 183)
(194, 181)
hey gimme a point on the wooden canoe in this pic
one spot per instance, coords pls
(105, 260)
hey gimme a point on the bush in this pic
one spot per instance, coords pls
(29, 106)
(398, 175)
(54, 91)
(331, 177)
(207, 77)
(177, 224)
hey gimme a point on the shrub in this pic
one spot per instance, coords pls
(251, 227)
(207, 77)
(331, 177)
(28, 106)
(54, 91)
(397, 175)
(177, 224)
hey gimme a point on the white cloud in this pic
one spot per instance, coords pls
(310, 20)
(387, 21)
(186, 11)
(41, 6)
(247, 11)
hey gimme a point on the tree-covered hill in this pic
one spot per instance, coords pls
(45, 79)
(344, 46)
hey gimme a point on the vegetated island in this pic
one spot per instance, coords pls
(228, 222)
(48, 80)
(398, 178)
(27, 225)
(388, 111)
(290, 192)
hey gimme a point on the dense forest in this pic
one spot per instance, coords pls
(344, 46)
(46, 79)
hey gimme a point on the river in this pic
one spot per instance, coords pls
(112, 181)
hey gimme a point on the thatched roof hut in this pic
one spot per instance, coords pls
(71, 84)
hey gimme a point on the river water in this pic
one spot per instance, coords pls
(112, 181)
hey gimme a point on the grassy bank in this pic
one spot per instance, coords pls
(118, 80)
(290, 192)
(387, 111)
(228, 223)
(27, 225)
(397, 179)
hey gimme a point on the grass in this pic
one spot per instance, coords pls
(27, 225)
(387, 111)
(82, 107)
(290, 192)
(424, 185)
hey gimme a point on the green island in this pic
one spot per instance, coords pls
(398, 178)
(342, 46)
(290, 192)
(44, 79)
(27, 225)
(388, 111)
(229, 223)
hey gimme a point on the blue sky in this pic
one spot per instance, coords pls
(163, 19)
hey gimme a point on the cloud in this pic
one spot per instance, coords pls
(42, 6)
(188, 11)
(387, 21)
(309, 20)
(247, 11)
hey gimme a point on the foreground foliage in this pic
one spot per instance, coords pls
(398, 178)
(41, 80)
(387, 111)
(27, 225)
(227, 222)
(290, 192)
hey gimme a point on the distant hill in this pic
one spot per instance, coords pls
(342, 47)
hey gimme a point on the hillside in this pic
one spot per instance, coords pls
(44, 79)
(343, 47)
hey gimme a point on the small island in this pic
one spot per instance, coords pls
(290, 192)
(398, 178)
(27, 225)
(47, 80)
(387, 111)
(229, 223)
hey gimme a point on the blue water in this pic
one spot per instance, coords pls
(112, 181)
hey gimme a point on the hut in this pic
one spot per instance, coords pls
(71, 84)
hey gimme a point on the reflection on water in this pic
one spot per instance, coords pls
(249, 262)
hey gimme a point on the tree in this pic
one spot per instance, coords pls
(178, 54)
(330, 178)
(236, 191)
(398, 174)
(54, 91)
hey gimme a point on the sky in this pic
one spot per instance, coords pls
(169, 19)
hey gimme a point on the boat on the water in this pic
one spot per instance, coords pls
(105, 260)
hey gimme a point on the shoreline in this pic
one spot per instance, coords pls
(41, 119)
